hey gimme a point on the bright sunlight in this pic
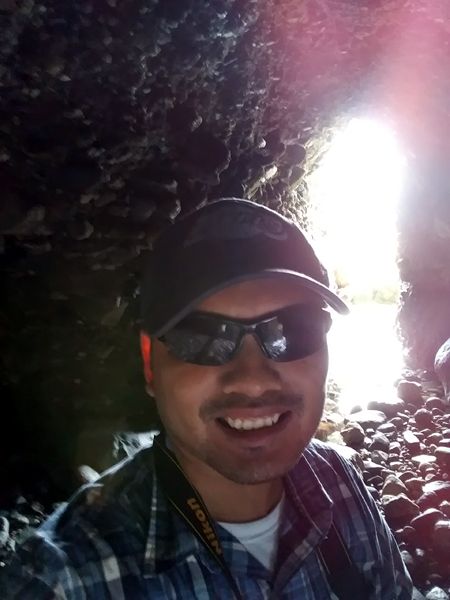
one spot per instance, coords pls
(354, 193)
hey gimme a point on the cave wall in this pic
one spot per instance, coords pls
(115, 117)
(424, 248)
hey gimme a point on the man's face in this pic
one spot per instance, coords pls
(195, 402)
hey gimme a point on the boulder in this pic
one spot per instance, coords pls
(407, 475)
(398, 423)
(353, 434)
(437, 593)
(389, 406)
(395, 465)
(428, 500)
(435, 438)
(388, 429)
(422, 460)
(375, 481)
(445, 508)
(440, 488)
(443, 458)
(425, 522)
(442, 367)
(423, 418)
(378, 456)
(399, 510)
(379, 442)
(415, 487)
(441, 538)
(369, 418)
(412, 442)
(371, 468)
(410, 392)
(393, 486)
(434, 402)
(395, 448)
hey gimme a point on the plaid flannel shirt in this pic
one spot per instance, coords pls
(117, 539)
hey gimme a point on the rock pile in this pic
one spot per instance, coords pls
(404, 444)
(17, 523)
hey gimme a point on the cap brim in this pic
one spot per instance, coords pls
(322, 290)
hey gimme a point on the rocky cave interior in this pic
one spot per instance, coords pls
(116, 117)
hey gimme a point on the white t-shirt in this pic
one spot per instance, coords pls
(259, 537)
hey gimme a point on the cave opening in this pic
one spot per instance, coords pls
(355, 193)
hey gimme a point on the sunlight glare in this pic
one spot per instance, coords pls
(355, 192)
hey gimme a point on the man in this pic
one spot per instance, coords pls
(234, 500)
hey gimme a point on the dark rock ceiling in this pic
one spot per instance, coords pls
(115, 116)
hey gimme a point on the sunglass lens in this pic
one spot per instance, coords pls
(296, 332)
(203, 340)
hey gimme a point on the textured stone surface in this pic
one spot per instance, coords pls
(129, 114)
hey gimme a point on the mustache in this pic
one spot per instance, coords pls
(273, 399)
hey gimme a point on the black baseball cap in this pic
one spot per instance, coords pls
(225, 242)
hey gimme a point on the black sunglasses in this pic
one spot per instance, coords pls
(288, 334)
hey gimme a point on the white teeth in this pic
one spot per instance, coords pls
(247, 424)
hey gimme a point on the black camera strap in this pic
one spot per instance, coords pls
(344, 578)
(188, 504)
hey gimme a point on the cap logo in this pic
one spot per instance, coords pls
(226, 224)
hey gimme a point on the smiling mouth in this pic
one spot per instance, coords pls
(253, 424)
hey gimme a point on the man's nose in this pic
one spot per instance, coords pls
(250, 373)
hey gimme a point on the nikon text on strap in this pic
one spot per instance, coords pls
(343, 577)
(188, 504)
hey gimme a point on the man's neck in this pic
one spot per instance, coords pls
(237, 503)
(226, 500)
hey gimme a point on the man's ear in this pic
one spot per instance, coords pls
(146, 351)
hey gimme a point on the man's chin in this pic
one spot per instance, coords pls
(254, 474)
